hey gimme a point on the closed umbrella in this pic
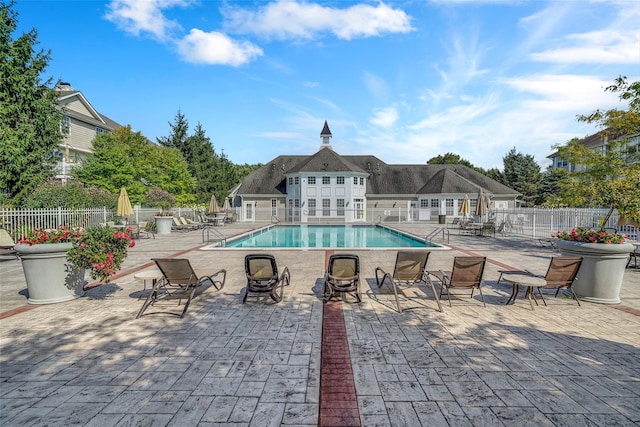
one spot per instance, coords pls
(481, 206)
(213, 205)
(226, 206)
(124, 204)
(465, 207)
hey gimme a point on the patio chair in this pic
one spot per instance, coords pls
(191, 223)
(7, 244)
(342, 277)
(178, 226)
(633, 255)
(262, 276)
(180, 281)
(410, 270)
(141, 229)
(561, 274)
(467, 273)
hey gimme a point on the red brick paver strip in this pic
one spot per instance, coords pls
(338, 402)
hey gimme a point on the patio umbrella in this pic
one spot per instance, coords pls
(124, 204)
(213, 205)
(482, 205)
(226, 206)
(465, 207)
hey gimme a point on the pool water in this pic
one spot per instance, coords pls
(328, 236)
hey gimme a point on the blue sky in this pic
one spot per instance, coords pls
(403, 80)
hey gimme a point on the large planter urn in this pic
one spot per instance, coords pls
(163, 224)
(603, 265)
(50, 277)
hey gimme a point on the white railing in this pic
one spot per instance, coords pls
(18, 221)
(526, 222)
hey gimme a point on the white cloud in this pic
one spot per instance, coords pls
(216, 48)
(564, 93)
(596, 47)
(385, 117)
(286, 19)
(136, 17)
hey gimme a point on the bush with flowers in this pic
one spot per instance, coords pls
(101, 250)
(40, 235)
(97, 249)
(589, 235)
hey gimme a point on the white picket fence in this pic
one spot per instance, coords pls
(526, 222)
(18, 221)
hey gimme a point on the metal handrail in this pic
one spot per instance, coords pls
(435, 232)
(207, 229)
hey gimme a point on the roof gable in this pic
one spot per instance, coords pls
(325, 160)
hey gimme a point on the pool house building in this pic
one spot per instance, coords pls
(327, 187)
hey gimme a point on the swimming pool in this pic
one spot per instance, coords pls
(328, 236)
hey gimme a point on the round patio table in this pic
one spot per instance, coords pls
(527, 280)
(147, 275)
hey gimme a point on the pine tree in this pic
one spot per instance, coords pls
(29, 116)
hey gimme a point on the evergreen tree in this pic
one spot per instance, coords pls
(178, 136)
(453, 159)
(29, 117)
(522, 173)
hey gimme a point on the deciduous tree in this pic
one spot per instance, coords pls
(609, 178)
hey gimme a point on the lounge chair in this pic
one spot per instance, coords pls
(262, 276)
(178, 226)
(191, 223)
(467, 273)
(561, 274)
(342, 277)
(7, 243)
(410, 270)
(180, 281)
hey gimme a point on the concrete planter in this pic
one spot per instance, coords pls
(163, 224)
(600, 276)
(50, 278)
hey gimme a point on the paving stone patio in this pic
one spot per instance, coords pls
(90, 362)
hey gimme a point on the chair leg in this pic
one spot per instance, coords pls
(575, 297)
(186, 304)
(435, 295)
(542, 297)
(482, 297)
(395, 292)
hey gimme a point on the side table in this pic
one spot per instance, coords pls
(152, 275)
(527, 280)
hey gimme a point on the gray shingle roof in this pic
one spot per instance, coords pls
(383, 178)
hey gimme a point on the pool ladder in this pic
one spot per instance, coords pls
(206, 235)
(434, 233)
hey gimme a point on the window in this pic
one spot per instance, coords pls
(340, 206)
(296, 180)
(290, 181)
(355, 180)
(361, 181)
(424, 203)
(100, 130)
(326, 207)
(64, 125)
(274, 207)
(311, 180)
(312, 207)
(340, 180)
(326, 180)
(449, 205)
(561, 163)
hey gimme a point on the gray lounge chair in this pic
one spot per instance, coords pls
(180, 281)
(410, 270)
